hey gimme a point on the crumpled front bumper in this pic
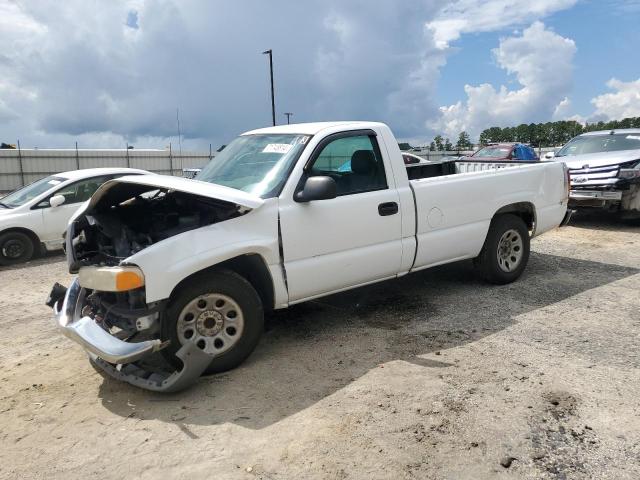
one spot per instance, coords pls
(91, 336)
(117, 357)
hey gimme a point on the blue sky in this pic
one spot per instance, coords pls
(607, 36)
(608, 39)
(107, 73)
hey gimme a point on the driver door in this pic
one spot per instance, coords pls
(350, 240)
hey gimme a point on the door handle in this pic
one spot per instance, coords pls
(387, 208)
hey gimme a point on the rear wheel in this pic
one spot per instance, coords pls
(505, 253)
(15, 247)
(221, 313)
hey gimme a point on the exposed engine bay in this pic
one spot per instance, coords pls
(129, 218)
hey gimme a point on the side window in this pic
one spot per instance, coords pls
(77, 192)
(354, 163)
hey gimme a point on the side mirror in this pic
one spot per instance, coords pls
(317, 188)
(550, 154)
(57, 200)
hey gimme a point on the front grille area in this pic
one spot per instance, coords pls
(603, 177)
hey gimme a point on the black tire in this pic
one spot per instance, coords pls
(15, 247)
(220, 282)
(494, 262)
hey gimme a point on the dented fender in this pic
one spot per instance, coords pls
(167, 263)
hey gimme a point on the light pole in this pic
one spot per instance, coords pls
(288, 114)
(273, 100)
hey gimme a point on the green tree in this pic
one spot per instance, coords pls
(432, 146)
(464, 142)
(491, 135)
(522, 133)
(439, 141)
(447, 145)
(551, 134)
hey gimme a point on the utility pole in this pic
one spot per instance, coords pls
(179, 132)
(273, 99)
(288, 114)
(20, 163)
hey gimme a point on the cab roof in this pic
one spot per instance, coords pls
(312, 128)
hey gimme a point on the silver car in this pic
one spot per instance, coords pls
(604, 169)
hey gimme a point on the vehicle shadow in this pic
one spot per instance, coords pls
(603, 220)
(312, 350)
(42, 259)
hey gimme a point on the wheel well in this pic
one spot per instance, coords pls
(34, 238)
(524, 210)
(252, 267)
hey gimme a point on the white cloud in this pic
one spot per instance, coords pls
(75, 69)
(562, 110)
(466, 16)
(543, 92)
(622, 103)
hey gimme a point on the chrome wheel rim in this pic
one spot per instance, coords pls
(510, 247)
(214, 322)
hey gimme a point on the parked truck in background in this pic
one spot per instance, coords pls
(604, 167)
(281, 216)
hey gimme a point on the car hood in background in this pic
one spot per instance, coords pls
(599, 159)
(203, 189)
(483, 159)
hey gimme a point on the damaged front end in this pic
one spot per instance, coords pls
(128, 218)
(105, 309)
(113, 349)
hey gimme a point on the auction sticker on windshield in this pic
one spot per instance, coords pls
(277, 148)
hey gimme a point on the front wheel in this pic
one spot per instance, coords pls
(221, 313)
(505, 253)
(15, 247)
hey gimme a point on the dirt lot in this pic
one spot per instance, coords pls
(436, 375)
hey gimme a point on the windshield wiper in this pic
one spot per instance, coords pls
(4, 205)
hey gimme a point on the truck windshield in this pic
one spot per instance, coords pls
(257, 164)
(31, 191)
(600, 143)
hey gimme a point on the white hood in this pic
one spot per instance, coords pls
(600, 159)
(203, 189)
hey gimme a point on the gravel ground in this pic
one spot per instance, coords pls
(436, 375)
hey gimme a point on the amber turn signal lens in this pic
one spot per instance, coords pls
(128, 280)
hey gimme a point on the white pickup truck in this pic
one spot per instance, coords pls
(282, 215)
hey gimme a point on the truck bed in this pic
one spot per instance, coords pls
(450, 167)
(454, 212)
